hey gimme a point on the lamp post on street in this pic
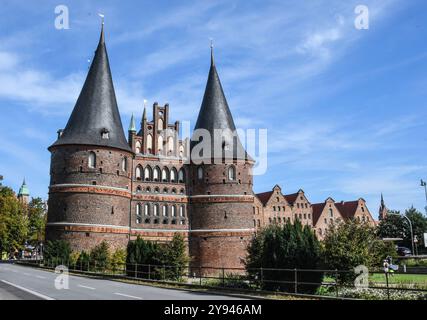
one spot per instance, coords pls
(424, 184)
(412, 232)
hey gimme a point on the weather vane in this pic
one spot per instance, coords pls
(102, 17)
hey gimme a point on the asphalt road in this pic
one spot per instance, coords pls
(26, 283)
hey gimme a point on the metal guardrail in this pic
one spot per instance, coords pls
(284, 281)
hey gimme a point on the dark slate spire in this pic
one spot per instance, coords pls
(95, 119)
(215, 113)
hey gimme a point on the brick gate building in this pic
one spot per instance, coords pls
(106, 187)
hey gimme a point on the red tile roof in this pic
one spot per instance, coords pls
(317, 211)
(347, 209)
(264, 197)
(291, 197)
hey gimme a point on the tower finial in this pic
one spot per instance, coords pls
(102, 39)
(212, 55)
(144, 115)
(132, 126)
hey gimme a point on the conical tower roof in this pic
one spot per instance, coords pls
(23, 190)
(215, 114)
(95, 119)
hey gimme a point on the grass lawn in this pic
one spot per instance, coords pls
(418, 280)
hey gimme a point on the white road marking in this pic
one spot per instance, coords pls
(86, 287)
(40, 277)
(128, 296)
(14, 271)
(28, 290)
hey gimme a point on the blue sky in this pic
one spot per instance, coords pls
(345, 109)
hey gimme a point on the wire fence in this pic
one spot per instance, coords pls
(308, 282)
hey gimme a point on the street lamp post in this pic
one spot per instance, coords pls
(424, 184)
(412, 232)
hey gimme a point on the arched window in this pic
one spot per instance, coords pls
(331, 213)
(138, 213)
(160, 124)
(138, 172)
(138, 189)
(138, 147)
(160, 144)
(173, 175)
(181, 211)
(149, 143)
(146, 209)
(147, 174)
(173, 191)
(124, 164)
(165, 211)
(200, 173)
(171, 145)
(232, 173)
(156, 174)
(181, 176)
(165, 175)
(181, 151)
(156, 210)
(165, 190)
(173, 211)
(92, 160)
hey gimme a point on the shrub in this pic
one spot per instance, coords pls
(57, 252)
(83, 261)
(118, 260)
(74, 257)
(350, 244)
(148, 259)
(100, 257)
(285, 247)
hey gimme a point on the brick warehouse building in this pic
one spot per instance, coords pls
(104, 187)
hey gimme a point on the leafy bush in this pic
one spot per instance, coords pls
(350, 244)
(148, 259)
(285, 247)
(118, 260)
(83, 261)
(57, 252)
(100, 257)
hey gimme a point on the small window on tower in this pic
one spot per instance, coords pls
(232, 173)
(105, 134)
(200, 173)
(92, 160)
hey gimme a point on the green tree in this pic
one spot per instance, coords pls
(118, 260)
(36, 220)
(100, 258)
(419, 225)
(57, 252)
(350, 244)
(396, 226)
(288, 247)
(175, 257)
(13, 223)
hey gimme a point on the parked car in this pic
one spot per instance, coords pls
(403, 251)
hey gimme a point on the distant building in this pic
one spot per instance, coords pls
(383, 211)
(24, 194)
(274, 207)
